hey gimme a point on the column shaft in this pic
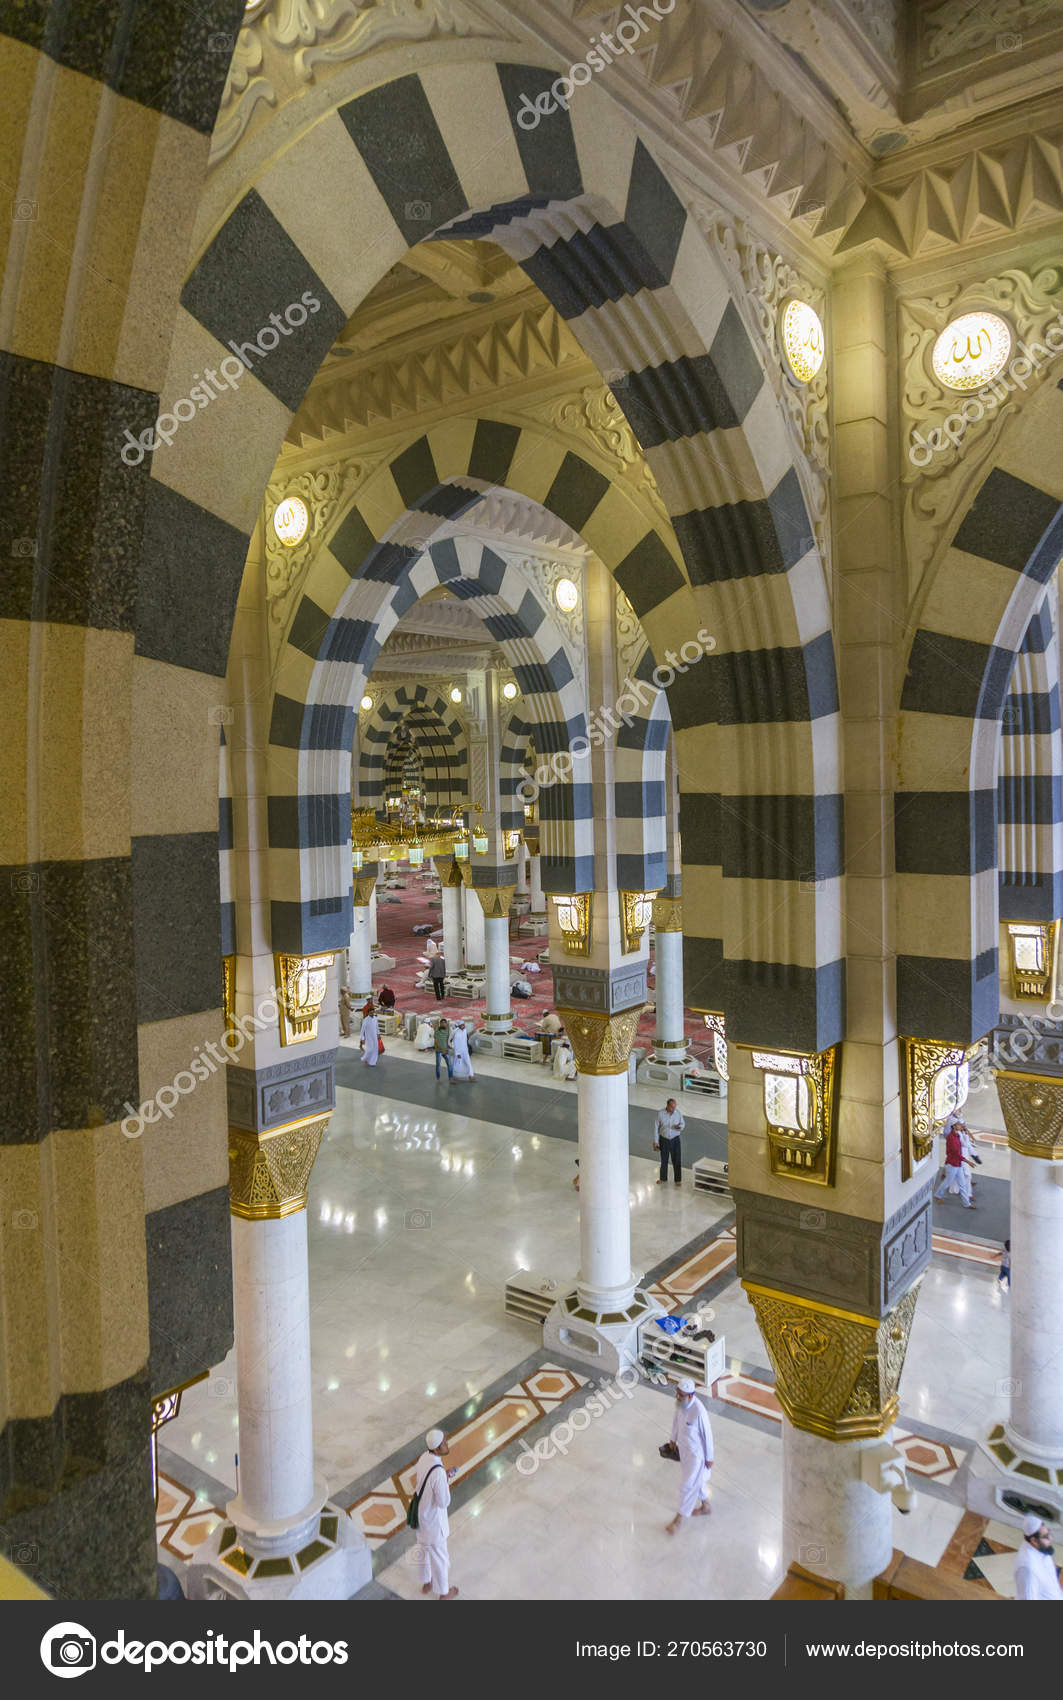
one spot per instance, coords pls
(451, 913)
(498, 1017)
(605, 1278)
(1036, 1422)
(535, 885)
(834, 1523)
(360, 971)
(669, 1039)
(475, 947)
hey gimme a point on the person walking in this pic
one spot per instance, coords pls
(437, 971)
(1004, 1278)
(370, 1039)
(432, 1485)
(1036, 1572)
(442, 1047)
(957, 1176)
(667, 1128)
(345, 1013)
(692, 1436)
(459, 1046)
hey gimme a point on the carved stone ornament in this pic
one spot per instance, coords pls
(595, 412)
(836, 1372)
(1033, 1113)
(923, 1060)
(668, 915)
(495, 900)
(286, 44)
(326, 492)
(269, 1173)
(601, 1043)
(301, 981)
(941, 467)
(951, 28)
(762, 281)
(631, 643)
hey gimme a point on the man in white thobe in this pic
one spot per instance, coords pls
(693, 1436)
(459, 1044)
(1036, 1576)
(370, 1040)
(433, 1526)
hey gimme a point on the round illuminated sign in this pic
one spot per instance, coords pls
(455, 695)
(509, 690)
(367, 702)
(971, 351)
(291, 520)
(565, 595)
(802, 340)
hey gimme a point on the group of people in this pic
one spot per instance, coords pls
(690, 1443)
(450, 1041)
(960, 1161)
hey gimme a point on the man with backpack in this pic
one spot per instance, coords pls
(431, 1498)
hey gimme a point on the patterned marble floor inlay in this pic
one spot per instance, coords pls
(381, 1513)
(969, 1249)
(182, 1519)
(678, 1288)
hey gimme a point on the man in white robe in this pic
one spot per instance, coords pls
(693, 1436)
(370, 1040)
(433, 1526)
(459, 1044)
(1036, 1576)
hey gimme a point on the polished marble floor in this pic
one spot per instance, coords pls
(418, 1214)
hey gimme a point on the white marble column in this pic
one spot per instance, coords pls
(271, 1289)
(498, 1017)
(535, 885)
(1035, 1425)
(372, 918)
(605, 1281)
(522, 868)
(669, 1044)
(475, 947)
(359, 955)
(834, 1523)
(450, 897)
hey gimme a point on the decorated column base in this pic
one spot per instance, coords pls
(1005, 1482)
(607, 1339)
(319, 1556)
(655, 1072)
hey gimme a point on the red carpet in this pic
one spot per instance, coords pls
(395, 922)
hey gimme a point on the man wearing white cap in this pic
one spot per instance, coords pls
(433, 1526)
(693, 1436)
(1036, 1576)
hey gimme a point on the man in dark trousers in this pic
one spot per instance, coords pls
(668, 1127)
(437, 974)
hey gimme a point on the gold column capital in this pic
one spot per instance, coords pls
(269, 1172)
(836, 1372)
(1033, 1113)
(601, 1043)
(668, 914)
(495, 900)
(363, 889)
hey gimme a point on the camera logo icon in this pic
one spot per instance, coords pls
(68, 1650)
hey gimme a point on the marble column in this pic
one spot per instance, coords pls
(496, 902)
(360, 951)
(522, 869)
(282, 1539)
(535, 885)
(1029, 1444)
(669, 1043)
(834, 1522)
(450, 898)
(373, 918)
(475, 946)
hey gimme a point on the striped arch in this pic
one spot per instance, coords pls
(583, 205)
(1004, 550)
(440, 741)
(309, 798)
(639, 782)
(518, 743)
(1030, 781)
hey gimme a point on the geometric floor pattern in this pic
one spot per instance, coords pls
(680, 1286)
(381, 1512)
(183, 1519)
(970, 1250)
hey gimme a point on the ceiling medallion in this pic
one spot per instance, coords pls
(291, 521)
(802, 340)
(566, 595)
(971, 351)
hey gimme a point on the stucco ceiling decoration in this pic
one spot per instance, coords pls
(942, 472)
